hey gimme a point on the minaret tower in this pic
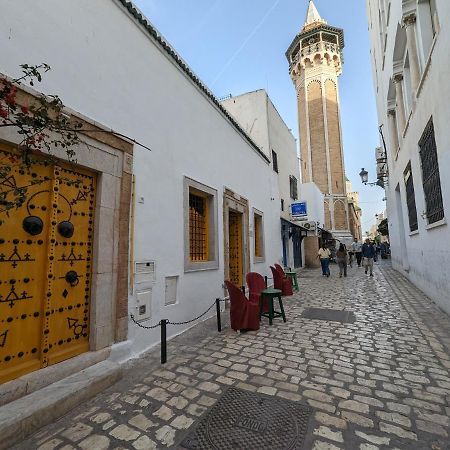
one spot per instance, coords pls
(315, 63)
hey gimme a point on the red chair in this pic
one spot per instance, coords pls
(279, 268)
(256, 284)
(281, 282)
(244, 314)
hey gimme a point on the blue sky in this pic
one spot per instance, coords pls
(236, 46)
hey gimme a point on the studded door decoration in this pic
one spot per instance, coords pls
(235, 249)
(45, 266)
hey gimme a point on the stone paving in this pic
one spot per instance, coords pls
(382, 382)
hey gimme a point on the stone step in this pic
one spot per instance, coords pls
(26, 415)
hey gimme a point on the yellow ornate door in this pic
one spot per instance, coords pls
(45, 265)
(235, 248)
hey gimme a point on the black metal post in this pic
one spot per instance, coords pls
(219, 319)
(243, 289)
(164, 341)
(265, 278)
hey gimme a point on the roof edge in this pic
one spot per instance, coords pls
(152, 31)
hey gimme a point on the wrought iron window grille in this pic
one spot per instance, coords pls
(430, 175)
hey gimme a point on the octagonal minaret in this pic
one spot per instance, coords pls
(315, 63)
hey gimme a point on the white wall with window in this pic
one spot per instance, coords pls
(413, 81)
(196, 148)
(256, 108)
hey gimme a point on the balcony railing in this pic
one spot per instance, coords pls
(314, 48)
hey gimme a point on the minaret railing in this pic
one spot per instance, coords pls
(317, 47)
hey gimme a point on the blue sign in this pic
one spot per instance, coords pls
(299, 209)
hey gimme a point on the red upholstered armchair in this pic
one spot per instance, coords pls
(282, 282)
(244, 314)
(256, 284)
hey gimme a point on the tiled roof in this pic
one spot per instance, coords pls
(140, 18)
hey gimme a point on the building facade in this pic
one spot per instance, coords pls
(410, 47)
(190, 204)
(355, 211)
(315, 63)
(258, 116)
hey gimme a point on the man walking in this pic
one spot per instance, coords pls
(357, 251)
(368, 253)
(324, 256)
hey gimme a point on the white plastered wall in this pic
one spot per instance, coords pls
(123, 79)
(426, 255)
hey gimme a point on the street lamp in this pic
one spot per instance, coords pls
(364, 176)
(365, 179)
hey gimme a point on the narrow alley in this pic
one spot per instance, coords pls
(382, 381)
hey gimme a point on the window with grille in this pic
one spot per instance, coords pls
(411, 199)
(201, 249)
(259, 235)
(275, 161)
(198, 227)
(293, 187)
(430, 175)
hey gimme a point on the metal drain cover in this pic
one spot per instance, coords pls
(248, 421)
(332, 315)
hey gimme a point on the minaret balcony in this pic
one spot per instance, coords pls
(320, 52)
(319, 48)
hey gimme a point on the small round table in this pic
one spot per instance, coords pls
(293, 277)
(270, 294)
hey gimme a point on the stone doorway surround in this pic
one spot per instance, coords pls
(111, 158)
(235, 202)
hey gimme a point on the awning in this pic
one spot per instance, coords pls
(292, 225)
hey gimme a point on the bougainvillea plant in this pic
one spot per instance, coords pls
(42, 127)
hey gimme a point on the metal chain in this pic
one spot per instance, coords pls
(193, 320)
(174, 323)
(144, 326)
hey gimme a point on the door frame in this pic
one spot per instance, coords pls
(236, 203)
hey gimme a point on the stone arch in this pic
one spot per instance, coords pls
(340, 215)
(337, 61)
(315, 81)
(307, 63)
(316, 124)
(318, 59)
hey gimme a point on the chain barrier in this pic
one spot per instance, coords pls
(164, 322)
(194, 319)
(139, 324)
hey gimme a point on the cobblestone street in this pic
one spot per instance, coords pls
(382, 382)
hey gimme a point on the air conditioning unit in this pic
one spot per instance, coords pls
(310, 226)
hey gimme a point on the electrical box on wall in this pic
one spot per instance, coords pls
(144, 305)
(171, 290)
(144, 272)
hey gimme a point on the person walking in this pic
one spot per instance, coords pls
(357, 251)
(341, 257)
(324, 256)
(369, 254)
